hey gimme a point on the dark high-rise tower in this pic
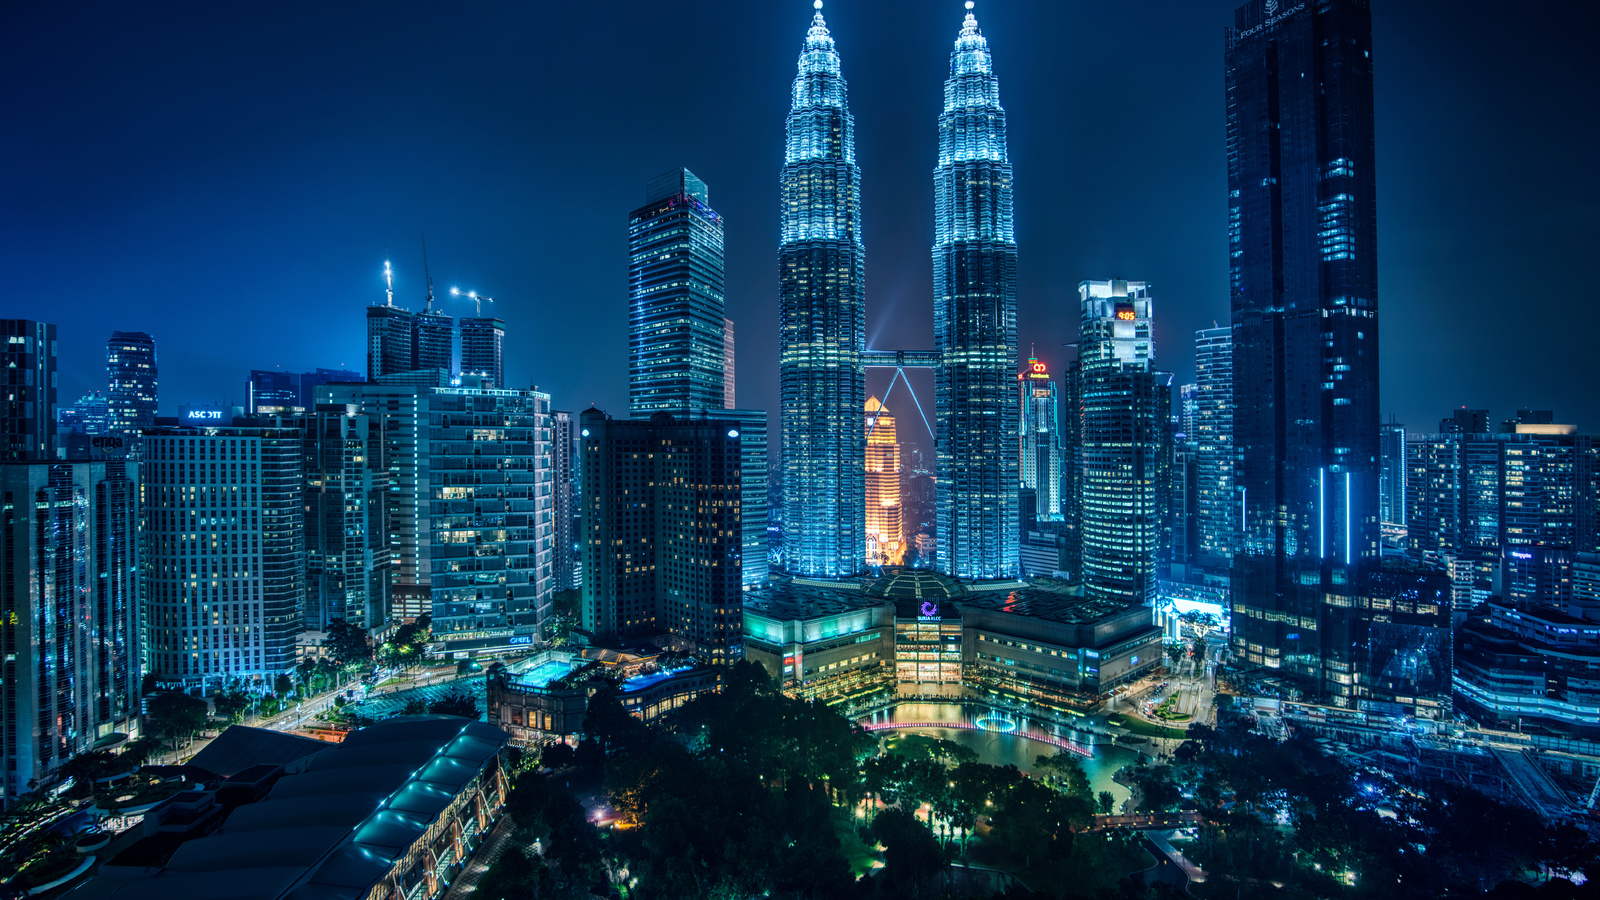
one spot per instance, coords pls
(483, 349)
(28, 407)
(391, 346)
(675, 339)
(1304, 294)
(132, 375)
(975, 321)
(433, 339)
(388, 340)
(822, 322)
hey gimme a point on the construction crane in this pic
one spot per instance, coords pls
(475, 297)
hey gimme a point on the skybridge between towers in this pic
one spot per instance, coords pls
(899, 361)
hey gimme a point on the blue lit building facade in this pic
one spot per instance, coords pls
(132, 378)
(675, 299)
(822, 323)
(1039, 442)
(975, 321)
(1123, 433)
(70, 615)
(28, 374)
(223, 551)
(1216, 501)
(1302, 240)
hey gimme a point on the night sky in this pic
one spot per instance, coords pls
(230, 177)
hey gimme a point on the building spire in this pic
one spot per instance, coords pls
(388, 278)
(427, 274)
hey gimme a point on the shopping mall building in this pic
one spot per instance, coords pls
(914, 632)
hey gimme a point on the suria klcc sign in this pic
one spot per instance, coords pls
(1270, 9)
(928, 610)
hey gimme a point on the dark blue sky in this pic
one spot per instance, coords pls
(230, 177)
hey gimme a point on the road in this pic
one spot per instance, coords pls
(293, 718)
(1168, 820)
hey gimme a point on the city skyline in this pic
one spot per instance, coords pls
(213, 261)
(1257, 623)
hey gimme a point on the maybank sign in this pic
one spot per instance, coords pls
(1272, 20)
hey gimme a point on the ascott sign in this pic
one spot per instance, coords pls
(204, 415)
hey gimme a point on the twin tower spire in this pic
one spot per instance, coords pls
(822, 322)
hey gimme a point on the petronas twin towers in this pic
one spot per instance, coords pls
(822, 322)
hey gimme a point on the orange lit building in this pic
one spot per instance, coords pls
(886, 545)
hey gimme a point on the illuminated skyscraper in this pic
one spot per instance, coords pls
(223, 551)
(471, 510)
(975, 321)
(821, 322)
(886, 544)
(727, 364)
(346, 496)
(1392, 476)
(69, 585)
(1303, 276)
(1039, 440)
(132, 374)
(1216, 502)
(1123, 431)
(675, 341)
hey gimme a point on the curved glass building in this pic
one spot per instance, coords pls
(975, 321)
(822, 323)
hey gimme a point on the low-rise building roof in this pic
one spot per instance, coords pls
(239, 747)
(332, 831)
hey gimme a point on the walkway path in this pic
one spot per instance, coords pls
(478, 866)
(1163, 842)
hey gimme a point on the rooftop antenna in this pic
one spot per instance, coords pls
(425, 271)
(388, 278)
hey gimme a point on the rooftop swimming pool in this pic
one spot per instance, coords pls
(541, 675)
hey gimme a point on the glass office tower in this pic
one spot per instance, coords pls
(223, 551)
(131, 375)
(821, 323)
(69, 588)
(1304, 295)
(347, 494)
(1216, 501)
(1124, 443)
(1039, 444)
(28, 401)
(1392, 476)
(975, 321)
(675, 321)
